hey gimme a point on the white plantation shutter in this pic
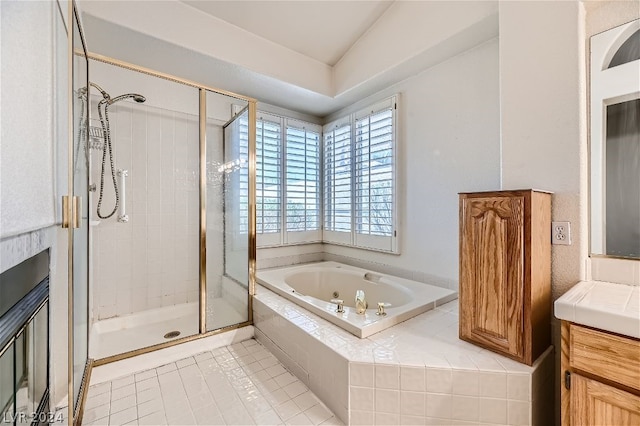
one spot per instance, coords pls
(302, 182)
(359, 166)
(374, 175)
(337, 182)
(268, 179)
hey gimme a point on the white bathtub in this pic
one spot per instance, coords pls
(313, 286)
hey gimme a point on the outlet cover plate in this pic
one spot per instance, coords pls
(561, 233)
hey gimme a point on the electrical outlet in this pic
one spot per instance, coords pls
(561, 233)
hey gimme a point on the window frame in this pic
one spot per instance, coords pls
(387, 244)
(285, 237)
(291, 237)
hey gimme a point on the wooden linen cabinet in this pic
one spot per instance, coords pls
(505, 272)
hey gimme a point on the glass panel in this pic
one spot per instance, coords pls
(628, 52)
(227, 212)
(6, 386)
(146, 239)
(80, 170)
(614, 148)
(22, 401)
(38, 358)
(623, 179)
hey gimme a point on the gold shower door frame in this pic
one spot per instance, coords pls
(203, 207)
(203, 89)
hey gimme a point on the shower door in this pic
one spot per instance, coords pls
(79, 230)
(228, 224)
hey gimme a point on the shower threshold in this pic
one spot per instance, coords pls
(118, 335)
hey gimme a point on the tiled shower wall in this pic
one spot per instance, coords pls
(151, 261)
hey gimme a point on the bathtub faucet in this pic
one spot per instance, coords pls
(361, 302)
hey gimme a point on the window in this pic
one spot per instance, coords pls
(337, 182)
(268, 178)
(288, 203)
(303, 182)
(355, 207)
(359, 155)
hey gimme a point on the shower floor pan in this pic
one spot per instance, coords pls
(118, 335)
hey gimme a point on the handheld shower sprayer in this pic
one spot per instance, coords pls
(103, 113)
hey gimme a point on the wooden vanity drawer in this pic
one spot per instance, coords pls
(605, 355)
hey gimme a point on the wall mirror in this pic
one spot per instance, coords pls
(615, 142)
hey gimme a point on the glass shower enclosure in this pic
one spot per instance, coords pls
(171, 186)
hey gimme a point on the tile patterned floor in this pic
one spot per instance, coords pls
(242, 384)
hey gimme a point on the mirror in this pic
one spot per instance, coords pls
(615, 142)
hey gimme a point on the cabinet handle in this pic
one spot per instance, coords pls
(567, 379)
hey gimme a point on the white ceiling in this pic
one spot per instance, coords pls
(337, 53)
(322, 30)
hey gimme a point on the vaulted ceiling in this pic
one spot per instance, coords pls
(311, 56)
(322, 30)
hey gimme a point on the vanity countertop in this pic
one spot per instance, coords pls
(607, 306)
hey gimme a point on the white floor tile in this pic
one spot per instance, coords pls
(268, 418)
(147, 384)
(95, 413)
(123, 381)
(145, 375)
(294, 389)
(299, 419)
(123, 403)
(150, 407)
(156, 418)
(243, 384)
(123, 391)
(185, 362)
(123, 417)
(318, 414)
(97, 400)
(287, 410)
(209, 414)
(305, 400)
(148, 394)
(98, 389)
(166, 368)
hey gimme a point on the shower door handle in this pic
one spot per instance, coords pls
(77, 211)
(71, 214)
(65, 211)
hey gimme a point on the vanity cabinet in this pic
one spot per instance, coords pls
(601, 377)
(505, 272)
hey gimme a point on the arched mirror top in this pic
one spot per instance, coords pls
(620, 45)
(629, 51)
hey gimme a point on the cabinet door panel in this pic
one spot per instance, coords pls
(594, 403)
(492, 279)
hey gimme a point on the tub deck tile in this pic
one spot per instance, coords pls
(428, 342)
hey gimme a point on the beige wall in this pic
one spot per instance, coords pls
(543, 118)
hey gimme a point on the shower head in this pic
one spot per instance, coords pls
(136, 97)
(104, 94)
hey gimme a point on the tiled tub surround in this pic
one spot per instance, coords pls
(417, 372)
(313, 286)
(241, 384)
